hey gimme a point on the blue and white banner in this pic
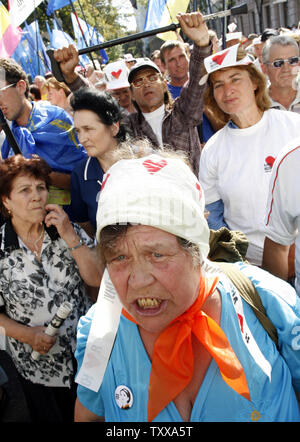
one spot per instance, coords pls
(162, 13)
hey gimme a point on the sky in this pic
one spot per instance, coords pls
(124, 6)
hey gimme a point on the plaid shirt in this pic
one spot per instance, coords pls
(179, 127)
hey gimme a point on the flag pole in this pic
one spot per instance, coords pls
(37, 39)
(82, 33)
(61, 29)
(10, 136)
(240, 9)
(84, 17)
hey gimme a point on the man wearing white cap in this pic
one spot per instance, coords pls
(129, 60)
(117, 84)
(156, 119)
(187, 347)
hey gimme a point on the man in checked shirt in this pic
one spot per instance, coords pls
(159, 120)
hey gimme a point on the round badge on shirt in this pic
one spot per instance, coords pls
(123, 397)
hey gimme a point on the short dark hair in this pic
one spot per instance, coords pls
(102, 104)
(35, 92)
(18, 165)
(169, 45)
(14, 72)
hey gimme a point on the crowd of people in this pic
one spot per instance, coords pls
(125, 173)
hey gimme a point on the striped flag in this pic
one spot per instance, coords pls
(162, 13)
(10, 36)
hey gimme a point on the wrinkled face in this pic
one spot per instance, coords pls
(150, 95)
(97, 138)
(233, 90)
(177, 63)
(123, 95)
(27, 199)
(12, 99)
(284, 76)
(156, 280)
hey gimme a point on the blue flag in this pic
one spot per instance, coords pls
(37, 44)
(50, 134)
(31, 51)
(91, 36)
(49, 31)
(59, 39)
(154, 14)
(53, 5)
(23, 56)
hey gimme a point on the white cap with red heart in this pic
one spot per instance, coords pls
(154, 191)
(225, 59)
(116, 74)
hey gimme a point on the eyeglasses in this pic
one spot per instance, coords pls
(6, 87)
(293, 61)
(139, 82)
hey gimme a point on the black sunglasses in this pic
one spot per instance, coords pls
(280, 62)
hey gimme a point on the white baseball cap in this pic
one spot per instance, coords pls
(116, 74)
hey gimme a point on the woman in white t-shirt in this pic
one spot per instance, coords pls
(236, 162)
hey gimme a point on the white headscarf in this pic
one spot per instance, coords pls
(158, 192)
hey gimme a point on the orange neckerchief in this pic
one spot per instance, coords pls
(173, 359)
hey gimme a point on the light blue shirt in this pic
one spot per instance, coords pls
(130, 366)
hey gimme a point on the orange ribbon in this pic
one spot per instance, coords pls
(173, 359)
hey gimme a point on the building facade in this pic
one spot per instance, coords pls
(274, 14)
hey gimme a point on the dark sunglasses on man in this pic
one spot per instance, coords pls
(293, 61)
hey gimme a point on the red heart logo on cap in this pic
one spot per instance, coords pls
(116, 74)
(153, 167)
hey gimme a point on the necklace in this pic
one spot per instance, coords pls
(36, 250)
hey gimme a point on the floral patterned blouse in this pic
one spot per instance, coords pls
(31, 292)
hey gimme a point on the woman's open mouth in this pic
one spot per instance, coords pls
(149, 306)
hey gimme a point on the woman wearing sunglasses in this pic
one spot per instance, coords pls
(236, 163)
(281, 64)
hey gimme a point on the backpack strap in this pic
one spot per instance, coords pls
(249, 293)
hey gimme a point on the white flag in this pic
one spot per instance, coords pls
(19, 10)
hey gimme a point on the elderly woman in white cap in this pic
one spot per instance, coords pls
(185, 348)
(236, 163)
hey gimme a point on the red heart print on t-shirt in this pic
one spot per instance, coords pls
(154, 167)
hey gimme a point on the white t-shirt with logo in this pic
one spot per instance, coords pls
(235, 166)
